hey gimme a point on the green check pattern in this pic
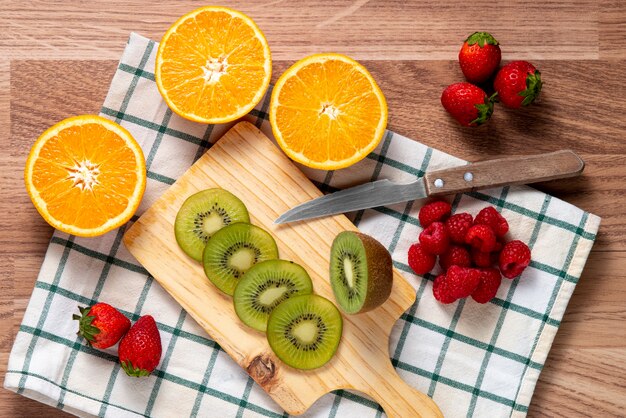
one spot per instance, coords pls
(474, 360)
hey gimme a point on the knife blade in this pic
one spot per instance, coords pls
(481, 175)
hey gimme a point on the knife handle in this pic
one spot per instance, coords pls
(503, 172)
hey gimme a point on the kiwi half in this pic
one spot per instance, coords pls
(265, 286)
(361, 272)
(231, 252)
(202, 215)
(304, 331)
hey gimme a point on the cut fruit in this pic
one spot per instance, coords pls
(304, 331)
(327, 112)
(213, 65)
(265, 286)
(86, 175)
(233, 250)
(361, 272)
(202, 215)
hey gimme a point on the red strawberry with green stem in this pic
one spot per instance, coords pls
(518, 84)
(467, 103)
(479, 57)
(140, 349)
(101, 325)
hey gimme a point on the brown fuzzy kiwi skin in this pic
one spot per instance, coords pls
(380, 272)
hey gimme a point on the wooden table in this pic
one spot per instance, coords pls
(57, 59)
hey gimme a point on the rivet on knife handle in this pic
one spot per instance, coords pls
(505, 171)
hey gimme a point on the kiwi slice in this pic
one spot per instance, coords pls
(304, 331)
(202, 215)
(231, 252)
(265, 286)
(361, 272)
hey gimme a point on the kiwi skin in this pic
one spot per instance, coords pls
(379, 273)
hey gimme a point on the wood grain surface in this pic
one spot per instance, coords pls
(57, 59)
(268, 190)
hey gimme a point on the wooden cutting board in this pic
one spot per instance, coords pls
(245, 162)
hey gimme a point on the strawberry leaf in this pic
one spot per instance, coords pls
(533, 88)
(133, 371)
(485, 110)
(481, 38)
(85, 327)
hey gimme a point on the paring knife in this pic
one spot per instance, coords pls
(481, 175)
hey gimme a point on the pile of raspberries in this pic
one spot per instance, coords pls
(472, 252)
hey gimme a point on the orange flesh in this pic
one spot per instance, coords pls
(86, 175)
(328, 111)
(213, 65)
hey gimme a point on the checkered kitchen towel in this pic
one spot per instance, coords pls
(474, 360)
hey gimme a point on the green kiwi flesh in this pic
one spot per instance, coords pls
(304, 331)
(233, 250)
(361, 272)
(202, 215)
(265, 286)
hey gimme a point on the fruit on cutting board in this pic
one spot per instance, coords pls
(85, 175)
(213, 65)
(265, 286)
(304, 331)
(518, 84)
(361, 272)
(203, 214)
(472, 252)
(479, 57)
(231, 252)
(101, 325)
(140, 350)
(467, 103)
(327, 112)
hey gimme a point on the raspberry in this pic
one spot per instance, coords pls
(490, 280)
(441, 291)
(457, 226)
(433, 212)
(514, 258)
(492, 218)
(481, 237)
(460, 282)
(482, 259)
(434, 239)
(419, 260)
(455, 256)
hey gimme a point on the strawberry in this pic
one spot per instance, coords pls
(421, 261)
(435, 239)
(518, 84)
(479, 57)
(101, 325)
(490, 280)
(514, 258)
(468, 104)
(140, 349)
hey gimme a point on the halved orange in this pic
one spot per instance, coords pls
(213, 65)
(86, 175)
(327, 112)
